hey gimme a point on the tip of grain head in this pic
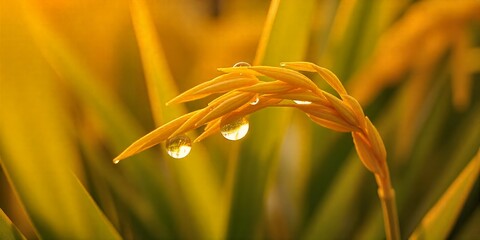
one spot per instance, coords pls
(125, 154)
(172, 101)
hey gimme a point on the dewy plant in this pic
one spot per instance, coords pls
(244, 93)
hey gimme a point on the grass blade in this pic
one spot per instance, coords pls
(160, 85)
(42, 173)
(8, 231)
(470, 230)
(196, 177)
(285, 18)
(113, 119)
(440, 219)
(258, 157)
(338, 203)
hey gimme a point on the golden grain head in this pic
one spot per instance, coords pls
(243, 93)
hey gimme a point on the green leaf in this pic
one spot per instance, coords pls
(114, 121)
(439, 221)
(160, 85)
(471, 230)
(38, 154)
(8, 231)
(286, 32)
(260, 154)
(339, 202)
(200, 188)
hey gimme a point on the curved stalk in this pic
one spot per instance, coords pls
(389, 207)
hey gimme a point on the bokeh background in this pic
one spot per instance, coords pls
(81, 80)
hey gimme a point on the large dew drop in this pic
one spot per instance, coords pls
(242, 64)
(235, 130)
(302, 102)
(179, 146)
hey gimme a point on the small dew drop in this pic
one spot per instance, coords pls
(179, 146)
(116, 161)
(242, 64)
(235, 130)
(302, 102)
(254, 102)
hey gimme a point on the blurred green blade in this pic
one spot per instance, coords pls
(196, 175)
(42, 172)
(441, 218)
(8, 231)
(36, 146)
(286, 32)
(259, 156)
(120, 128)
(339, 203)
(115, 123)
(160, 85)
(470, 230)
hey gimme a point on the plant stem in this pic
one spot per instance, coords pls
(389, 208)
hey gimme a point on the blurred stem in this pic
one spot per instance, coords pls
(386, 193)
(263, 44)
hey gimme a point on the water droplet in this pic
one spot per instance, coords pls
(179, 146)
(254, 102)
(235, 130)
(116, 161)
(302, 102)
(242, 64)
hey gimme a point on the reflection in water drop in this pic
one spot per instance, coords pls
(235, 130)
(254, 102)
(179, 146)
(302, 102)
(242, 64)
(116, 161)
